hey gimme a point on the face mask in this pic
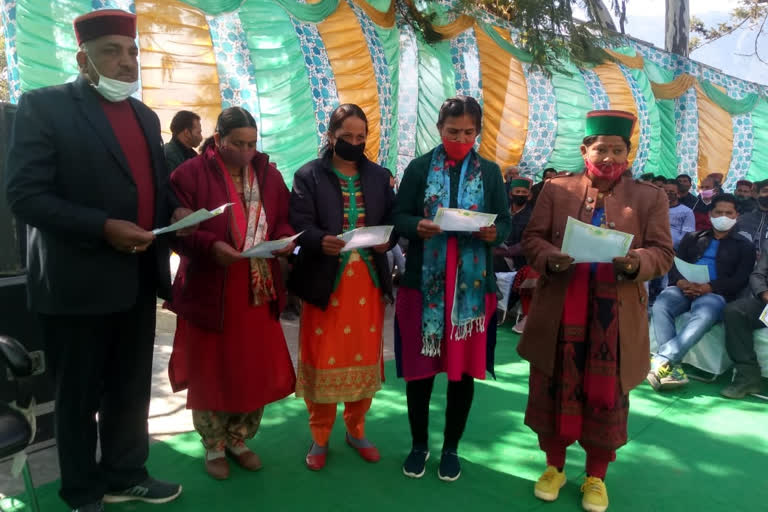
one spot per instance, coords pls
(457, 150)
(519, 200)
(611, 172)
(763, 200)
(235, 157)
(672, 197)
(722, 223)
(349, 152)
(707, 194)
(113, 90)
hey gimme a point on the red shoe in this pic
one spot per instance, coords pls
(315, 462)
(369, 454)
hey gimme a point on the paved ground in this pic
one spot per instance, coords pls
(168, 415)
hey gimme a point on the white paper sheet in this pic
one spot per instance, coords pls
(586, 243)
(698, 274)
(764, 316)
(195, 218)
(456, 219)
(264, 250)
(362, 238)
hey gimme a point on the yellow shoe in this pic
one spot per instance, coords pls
(549, 484)
(595, 495)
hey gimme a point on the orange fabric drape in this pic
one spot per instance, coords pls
(352, 69)
(505, 98)
(456, 27)
(635, 62)
(382, 19)
(715, 137)
(178, 66)
(675, 88)
(620, 96)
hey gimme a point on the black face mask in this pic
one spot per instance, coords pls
(519, 200)
(349, 152)
(672, 198)
(763, 200)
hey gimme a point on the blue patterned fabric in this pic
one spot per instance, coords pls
(542, 123)
(233, 64)
(324, 94)
(638, 166)
(383, 83)
(596, 90)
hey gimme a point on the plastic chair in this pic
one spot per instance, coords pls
(15, 430)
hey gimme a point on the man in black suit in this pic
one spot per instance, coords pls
(87, 174)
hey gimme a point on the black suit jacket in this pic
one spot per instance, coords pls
(317, 209)
(66, 176)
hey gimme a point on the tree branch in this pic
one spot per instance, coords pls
(729, 32)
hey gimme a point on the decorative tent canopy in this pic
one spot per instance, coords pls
(291, 63)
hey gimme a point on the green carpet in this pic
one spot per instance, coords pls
(688, 451)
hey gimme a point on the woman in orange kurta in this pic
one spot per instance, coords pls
(340, 357)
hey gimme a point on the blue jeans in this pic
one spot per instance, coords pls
(706, 311)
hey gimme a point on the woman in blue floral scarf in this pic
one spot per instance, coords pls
(448, 292)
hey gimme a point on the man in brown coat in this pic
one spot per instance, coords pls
(588, 356)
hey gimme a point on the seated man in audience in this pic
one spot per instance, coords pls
(681, 221)
(509, 257)
(743, 194)
(701, 208)
(754, 225)
(546, 174)
(729, 258)
(741, 318)
(685, 184)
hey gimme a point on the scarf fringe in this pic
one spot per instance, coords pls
(464, 330)
(430, 346)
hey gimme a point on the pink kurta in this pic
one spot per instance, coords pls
(457, 357)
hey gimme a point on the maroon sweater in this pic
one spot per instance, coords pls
(198, 290)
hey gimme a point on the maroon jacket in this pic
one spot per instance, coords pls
(198, 290)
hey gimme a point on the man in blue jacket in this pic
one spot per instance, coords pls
(729, 258)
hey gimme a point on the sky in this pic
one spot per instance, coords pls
(646, 22)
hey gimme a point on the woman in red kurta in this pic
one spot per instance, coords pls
(229, 351)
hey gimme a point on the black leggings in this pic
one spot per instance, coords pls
(459, 402)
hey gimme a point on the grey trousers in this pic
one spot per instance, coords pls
(741, 319)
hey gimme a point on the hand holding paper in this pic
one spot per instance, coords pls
(265, 250)
(698, 274)
(195, 218)
(455, 219)
(362, 238)
(586, 243)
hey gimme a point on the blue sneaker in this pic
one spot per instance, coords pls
(148, 491)
(415, 464)
(450, 468)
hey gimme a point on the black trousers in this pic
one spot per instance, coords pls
(459, 402)
(101, 364)
(741, 319)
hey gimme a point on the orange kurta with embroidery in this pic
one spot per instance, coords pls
(340, 356)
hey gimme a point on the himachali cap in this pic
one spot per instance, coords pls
(104, 22)
(520, 182)
(610, 122)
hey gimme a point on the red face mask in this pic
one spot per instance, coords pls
(611, 172)
(457, 150)
(235, 157)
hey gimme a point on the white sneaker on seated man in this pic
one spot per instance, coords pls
(729, 258)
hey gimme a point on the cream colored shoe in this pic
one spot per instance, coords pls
(595, 495)
(549, 484)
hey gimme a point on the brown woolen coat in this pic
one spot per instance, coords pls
(638, 208)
